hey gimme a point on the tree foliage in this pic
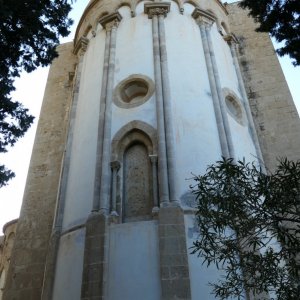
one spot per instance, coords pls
(281, 18)
(249, 225)
(29, 33)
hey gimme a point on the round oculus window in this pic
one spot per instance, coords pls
(133, 91)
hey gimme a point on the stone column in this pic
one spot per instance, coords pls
(110, 23)
(175, 282)
(153, 10)
(220, 93)
(80, 49)
(153, 160)
(203, 19)
(95, 252)
(232, 41)
(115, 166)
(167, 108)
(97, 180)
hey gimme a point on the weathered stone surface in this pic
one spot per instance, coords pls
(94, 257)
(25, 276)
(135, 139)
(175, 282)
(275, 116)
(138, 184)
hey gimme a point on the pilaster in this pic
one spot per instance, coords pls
(153, 9)
(157, 11)
(110, 23)
(204, 19)
(95, 252)
(232, 42)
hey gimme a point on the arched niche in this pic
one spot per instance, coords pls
(139, 7)
(188, 7)
(175, 6)
(97, 26)
(125, 10)
(132, 147)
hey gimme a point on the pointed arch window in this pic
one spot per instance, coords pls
(135, 192)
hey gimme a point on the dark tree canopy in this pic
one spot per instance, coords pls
(281, 18)
(249, 227)
(29, 33)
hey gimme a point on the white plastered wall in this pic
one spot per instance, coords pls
(196, 136)
(69, 266)
(134, 55)
(80, 185)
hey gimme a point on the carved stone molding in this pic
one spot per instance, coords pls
(115, 165)
(111, 21)
(231, 39)
(203, 17)
(121, 99)
(157, 9)
(81, 46)
(153, 159)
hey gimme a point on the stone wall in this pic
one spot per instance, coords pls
(275, 115)
(25, 276)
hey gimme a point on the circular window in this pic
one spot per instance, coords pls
(133, 91)
(234, 109)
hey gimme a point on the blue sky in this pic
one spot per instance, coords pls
(30, 90)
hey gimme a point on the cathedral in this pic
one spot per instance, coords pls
(147, 94)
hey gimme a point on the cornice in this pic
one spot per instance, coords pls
(200, 14)
(85, 12)
(156, 8)
(92, 3)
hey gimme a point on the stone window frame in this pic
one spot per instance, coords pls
(240, 117)
(117, 98)
(137, 132)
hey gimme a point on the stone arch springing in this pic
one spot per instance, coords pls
(188, 7)
(128, 5)
(215, 17)
(133, 147)
(177, 4)
(96, 23)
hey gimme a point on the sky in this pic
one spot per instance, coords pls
(30, 89)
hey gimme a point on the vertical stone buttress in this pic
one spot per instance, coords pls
(175, 282)
(95, 258)
(275, 116)
(26, 272)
